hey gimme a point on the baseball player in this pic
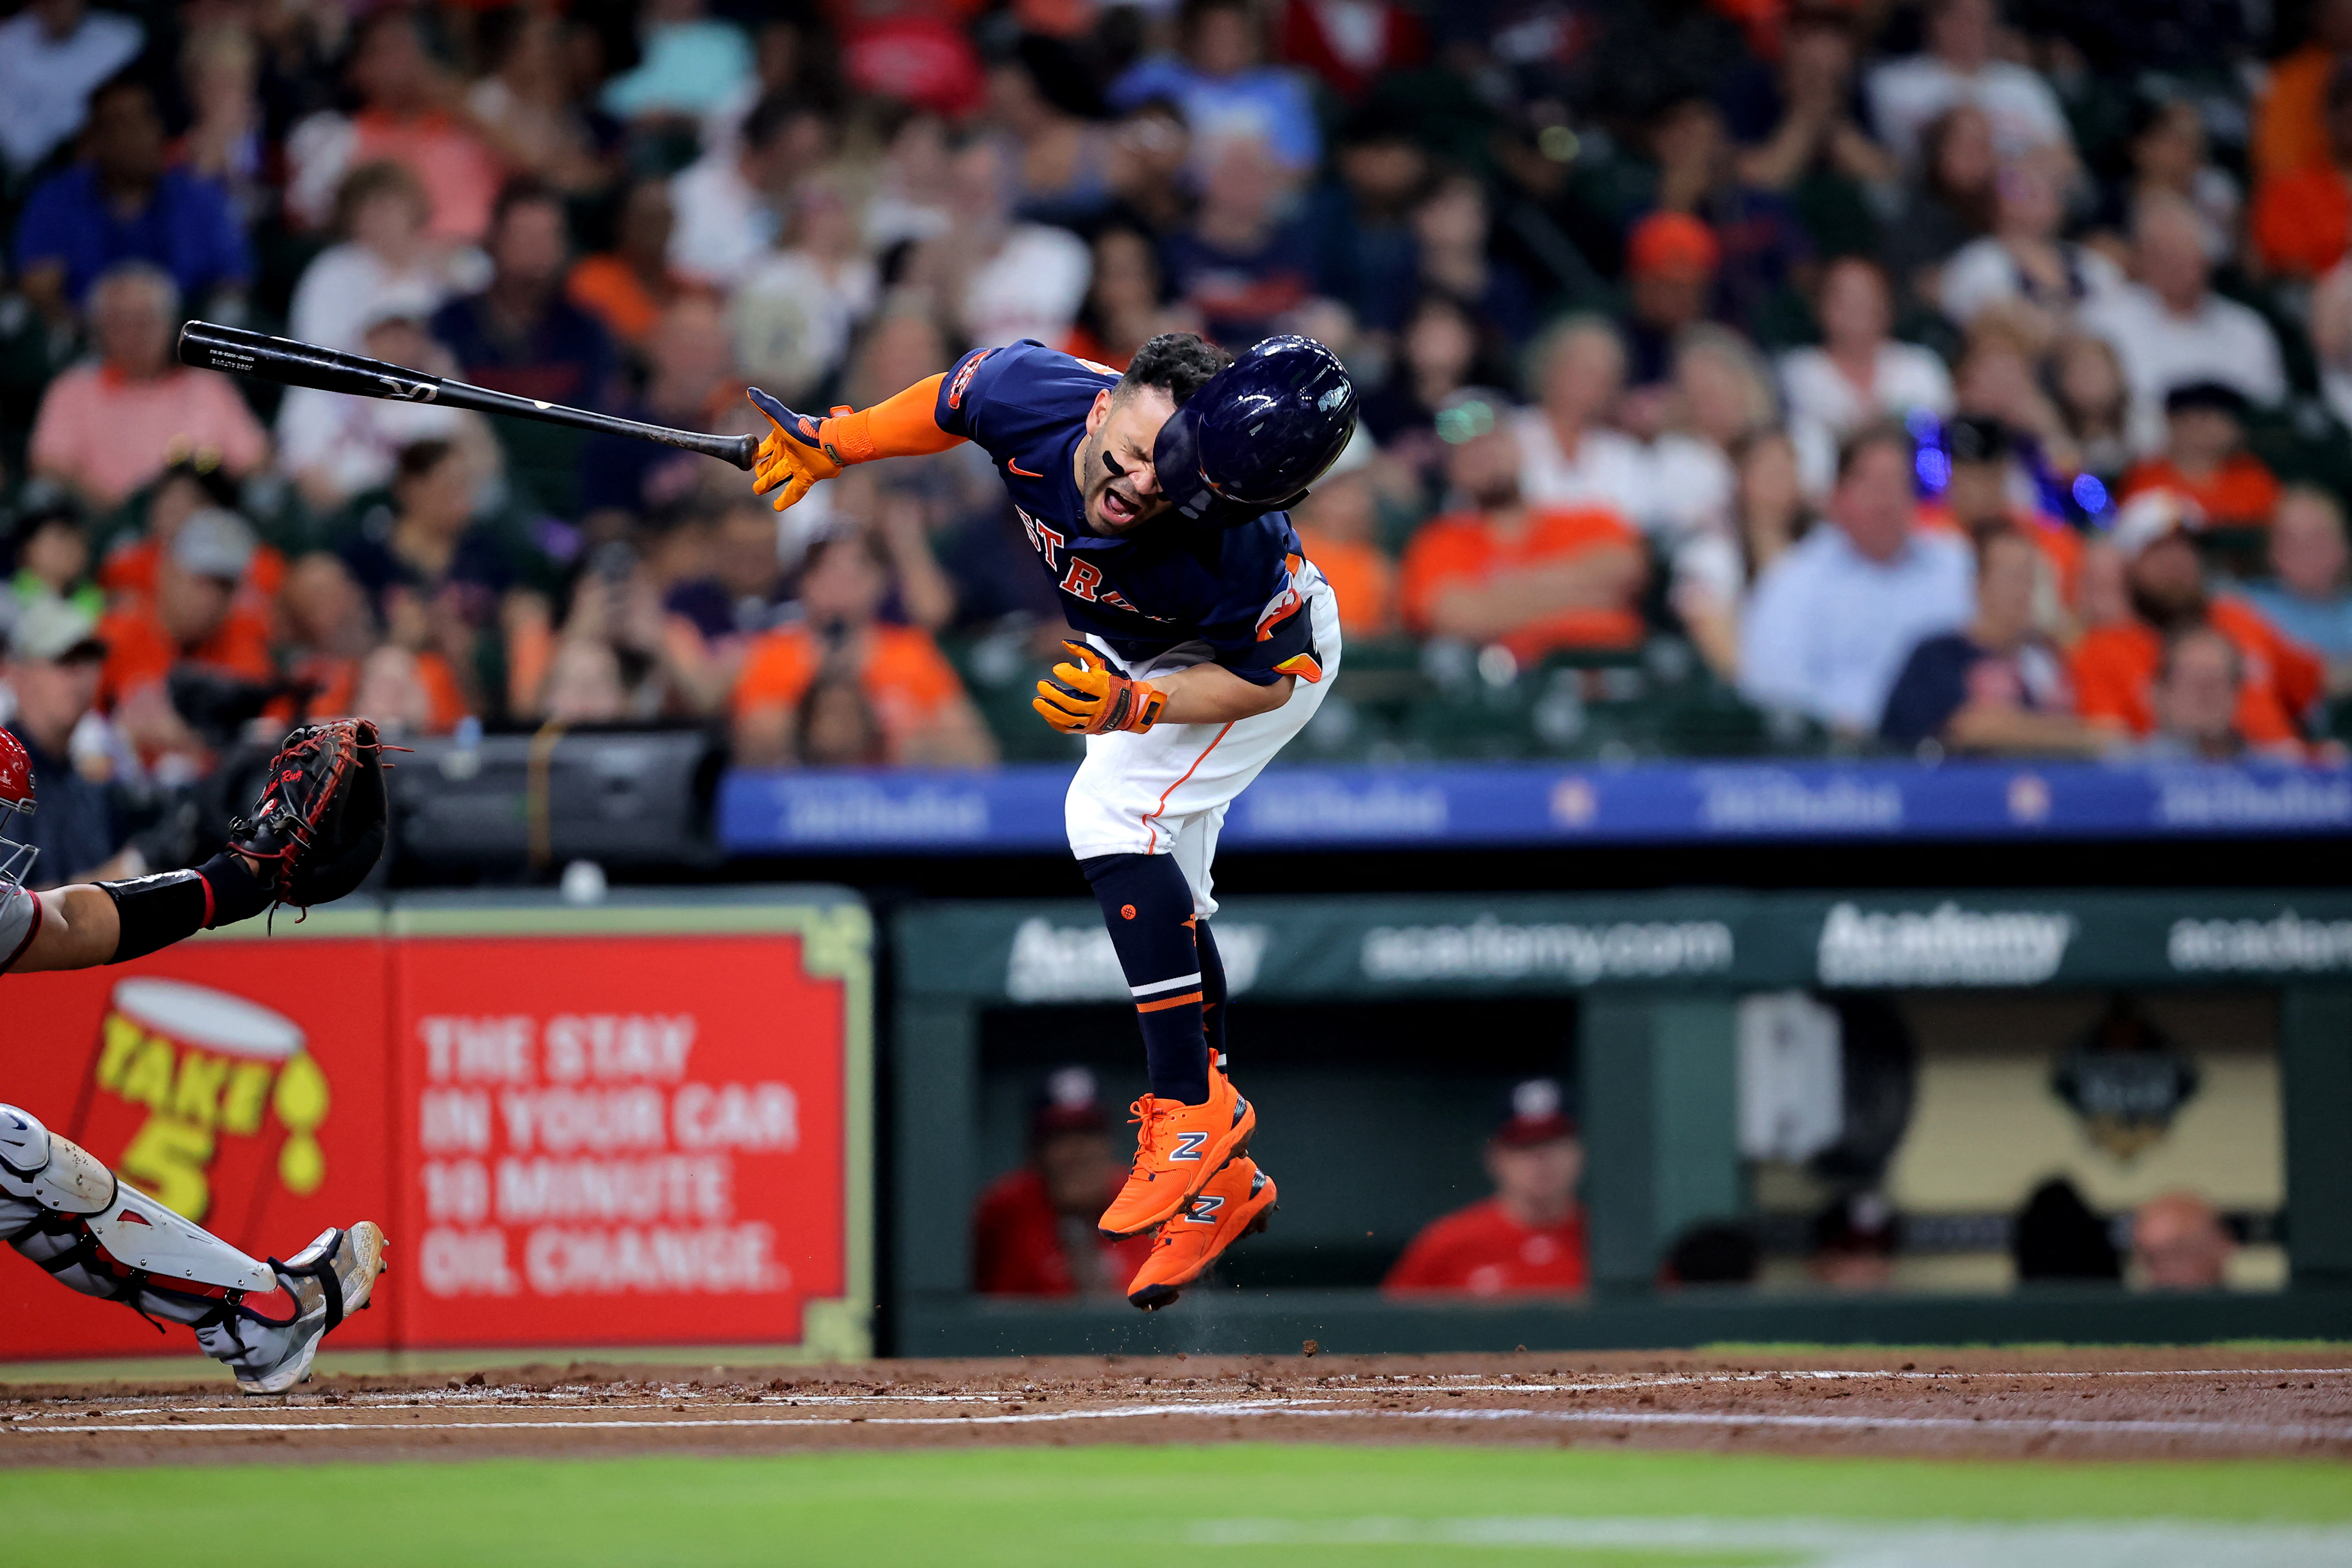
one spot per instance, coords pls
(1155, 503)
(315, 834)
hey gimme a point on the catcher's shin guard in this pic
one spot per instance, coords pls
(102, 1237)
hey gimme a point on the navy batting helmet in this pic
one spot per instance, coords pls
(1258, 433)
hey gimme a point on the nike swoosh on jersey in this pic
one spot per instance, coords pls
(1013, 465)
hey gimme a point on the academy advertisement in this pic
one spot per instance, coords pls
(239, 1081)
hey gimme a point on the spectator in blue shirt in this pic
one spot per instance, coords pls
(121, 204)
(53, 55)
(53, 659)
(1241, 264)
(1361, 221)
(521, 335)
(1996, 685)
(623, 482)
(2307, 597)
(1225, 89)
(1832, 621)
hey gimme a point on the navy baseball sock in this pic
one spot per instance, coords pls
(1148, 906)
(1213, 991)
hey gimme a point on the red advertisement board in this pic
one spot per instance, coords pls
(623, 1140)
(578, 1128)
(242, 1082)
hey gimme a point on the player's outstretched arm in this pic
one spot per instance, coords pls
(313, 836)
(801, 449)
(82, 926)
(79, 929)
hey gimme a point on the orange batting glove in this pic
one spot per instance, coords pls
(795, 455)
(1089, 697)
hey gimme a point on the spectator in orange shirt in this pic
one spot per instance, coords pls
(195, 482)
(411, 113)
(628, 286)
(1527, 1237)
(2206, 460)
(2116, 666)
(924, 715)
(1501, 571)
(2300, 223)
(194, 620)
(2197, 697)
(1033, 1232)
(1338, 530)
(2290, 125)
(332, 644)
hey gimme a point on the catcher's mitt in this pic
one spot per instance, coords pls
(319, 828)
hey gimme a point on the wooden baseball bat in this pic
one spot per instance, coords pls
(209, 346)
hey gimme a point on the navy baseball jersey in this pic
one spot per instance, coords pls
(1163, 585)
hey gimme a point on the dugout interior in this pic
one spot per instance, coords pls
(1397, 1024)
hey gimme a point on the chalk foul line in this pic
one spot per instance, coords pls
(2294, 1432)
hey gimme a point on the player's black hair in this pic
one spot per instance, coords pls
(1178, 363)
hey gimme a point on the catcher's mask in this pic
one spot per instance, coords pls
(15, 801)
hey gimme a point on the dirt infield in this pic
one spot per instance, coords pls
(2089, 1403)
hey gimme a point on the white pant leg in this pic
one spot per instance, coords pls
(1165, 791)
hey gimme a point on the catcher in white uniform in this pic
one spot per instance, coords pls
(315, 833)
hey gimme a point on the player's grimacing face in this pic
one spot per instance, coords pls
(1115, 473)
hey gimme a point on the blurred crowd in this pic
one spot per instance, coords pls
(1928, 377)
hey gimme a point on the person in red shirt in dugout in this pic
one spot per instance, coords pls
(1034, 1229)
(1529, 1236)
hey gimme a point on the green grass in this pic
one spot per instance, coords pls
(1097, 1505)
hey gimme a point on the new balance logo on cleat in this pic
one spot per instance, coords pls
(1234, 1204)
(1186, 1143)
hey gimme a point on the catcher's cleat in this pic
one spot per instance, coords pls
(1177, 1148)
(329, 1280)
(1238, 1200)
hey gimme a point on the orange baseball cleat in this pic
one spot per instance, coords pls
(1177, 1148)
(1234, 1204)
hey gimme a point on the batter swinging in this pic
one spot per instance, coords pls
(1155, 503)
